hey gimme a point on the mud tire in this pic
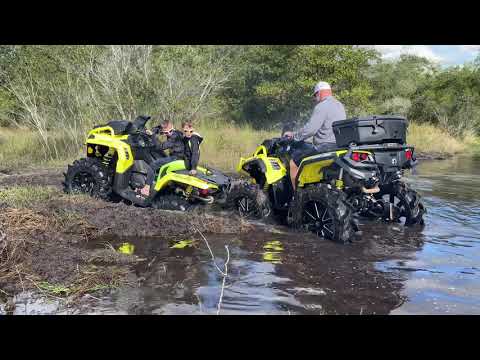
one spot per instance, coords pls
(414, 208)
(242, 193)
(335, 210)
(89, 176)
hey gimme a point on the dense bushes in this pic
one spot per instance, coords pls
(64, 90)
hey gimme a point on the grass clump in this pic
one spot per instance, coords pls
(25, 196)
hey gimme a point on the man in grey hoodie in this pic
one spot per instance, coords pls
(327, 110)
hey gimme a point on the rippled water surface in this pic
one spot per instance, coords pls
(388, 270)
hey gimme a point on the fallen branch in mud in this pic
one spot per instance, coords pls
(223, 282)
(224, 272)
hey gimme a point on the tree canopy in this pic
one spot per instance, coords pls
(72, 87)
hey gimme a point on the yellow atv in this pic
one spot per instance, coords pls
(118, 161)
(361, 177)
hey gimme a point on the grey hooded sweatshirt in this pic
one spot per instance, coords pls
(320, 124)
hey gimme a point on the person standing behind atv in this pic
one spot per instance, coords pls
(327, 110)
(192, 141)
(174, 144)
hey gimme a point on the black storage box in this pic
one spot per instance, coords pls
(375, 129)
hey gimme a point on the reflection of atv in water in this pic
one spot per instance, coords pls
(118, 161)
(363, 176)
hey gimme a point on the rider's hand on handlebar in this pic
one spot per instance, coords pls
(149, 132)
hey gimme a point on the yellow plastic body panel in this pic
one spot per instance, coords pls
(115, 142)
(171, 175)
(179, 165)
(312, 172)
(272, 175)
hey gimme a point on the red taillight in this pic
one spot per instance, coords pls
(408, 154)
(359, 156)
(203, 192)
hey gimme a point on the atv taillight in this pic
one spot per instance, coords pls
(356, 156)
(203, 192)
(408, 154)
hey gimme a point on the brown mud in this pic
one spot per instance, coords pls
(42, 247)
(64, 252)
(44, 177)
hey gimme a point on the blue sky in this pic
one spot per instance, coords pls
(445, 55)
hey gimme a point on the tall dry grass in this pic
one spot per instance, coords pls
(433, 140)
(22, 148)
(223, 145)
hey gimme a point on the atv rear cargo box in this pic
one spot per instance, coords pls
(375, 129)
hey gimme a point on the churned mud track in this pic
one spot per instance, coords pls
(44, 177)
(42, 245)
(46, 247)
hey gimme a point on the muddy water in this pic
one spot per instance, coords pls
(387, 270)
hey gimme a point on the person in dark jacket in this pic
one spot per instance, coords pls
(192, 141)
(174, 144)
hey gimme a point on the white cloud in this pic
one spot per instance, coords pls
(394, 51)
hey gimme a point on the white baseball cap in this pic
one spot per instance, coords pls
(322, 85)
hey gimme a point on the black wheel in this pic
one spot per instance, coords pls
(248, 200)
(323, 211)
(88, 176)
(402, 204)
(171, 202)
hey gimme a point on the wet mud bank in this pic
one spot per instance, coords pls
(45, 177)
(43, 245)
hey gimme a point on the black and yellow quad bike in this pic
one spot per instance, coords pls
(118, 161)
(362, 177)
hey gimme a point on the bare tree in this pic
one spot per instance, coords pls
(101, 83)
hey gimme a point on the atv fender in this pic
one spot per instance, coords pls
(122, 149)
(357, 171)
(167, 174)
(272, 168)
(183, 179)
